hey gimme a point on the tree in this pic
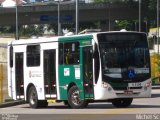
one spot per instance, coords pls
(31, 30)
(148, 11)
(124, 24)
(152, 13)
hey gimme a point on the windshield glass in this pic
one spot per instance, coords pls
(124, 52)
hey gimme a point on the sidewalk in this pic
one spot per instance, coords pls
(12, 103)
(5, 40)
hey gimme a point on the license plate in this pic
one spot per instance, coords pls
(128, 92)
(138, 84)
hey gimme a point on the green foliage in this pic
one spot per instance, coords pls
(152, 4)
(7, 29)
(124, 24)
(152, 12)
(155, 69)
(31, 30)
(54, 27)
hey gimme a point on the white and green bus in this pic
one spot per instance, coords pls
(80, 69)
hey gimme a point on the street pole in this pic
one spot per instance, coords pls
(58, 3)
(158, 25)
(13, 4)
(139, 15)
(77, 17)
(17, 33)
(109, 21)
(146, 26)
(58, 18)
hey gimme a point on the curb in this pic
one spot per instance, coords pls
(13, 103)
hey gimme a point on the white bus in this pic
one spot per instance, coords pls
(104, 66)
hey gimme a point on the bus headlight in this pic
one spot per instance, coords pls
(148, 84)
(104, 84)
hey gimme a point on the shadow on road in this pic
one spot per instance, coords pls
(100, 106)
(110, 106)
(144, 106)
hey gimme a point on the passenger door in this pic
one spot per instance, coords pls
(19, 75)
(50, 73)
(88, 72)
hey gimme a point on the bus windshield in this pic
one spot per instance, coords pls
(124, 53)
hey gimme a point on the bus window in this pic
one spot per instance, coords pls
(96, 63)
(33, 55)
(71, 53)
(61, 53)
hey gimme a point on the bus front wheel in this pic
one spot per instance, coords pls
(74, 99)
(122, 102)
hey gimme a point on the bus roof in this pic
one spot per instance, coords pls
(77, 37)
(61, 38)
(50, 39)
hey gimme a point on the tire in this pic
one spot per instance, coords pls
(122, 102)
(66, 103)
(74, 98)
(33, 98)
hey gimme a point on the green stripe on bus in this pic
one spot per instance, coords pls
(86, 37)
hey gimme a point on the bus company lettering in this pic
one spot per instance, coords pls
(35, 74)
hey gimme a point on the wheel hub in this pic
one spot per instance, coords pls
(76, 97)
(33, 98)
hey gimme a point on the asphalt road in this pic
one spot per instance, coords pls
(141, 109)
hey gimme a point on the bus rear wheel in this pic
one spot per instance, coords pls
(33, 98)
(74, 99)
(122, 102)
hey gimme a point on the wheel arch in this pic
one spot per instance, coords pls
(71, 85)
